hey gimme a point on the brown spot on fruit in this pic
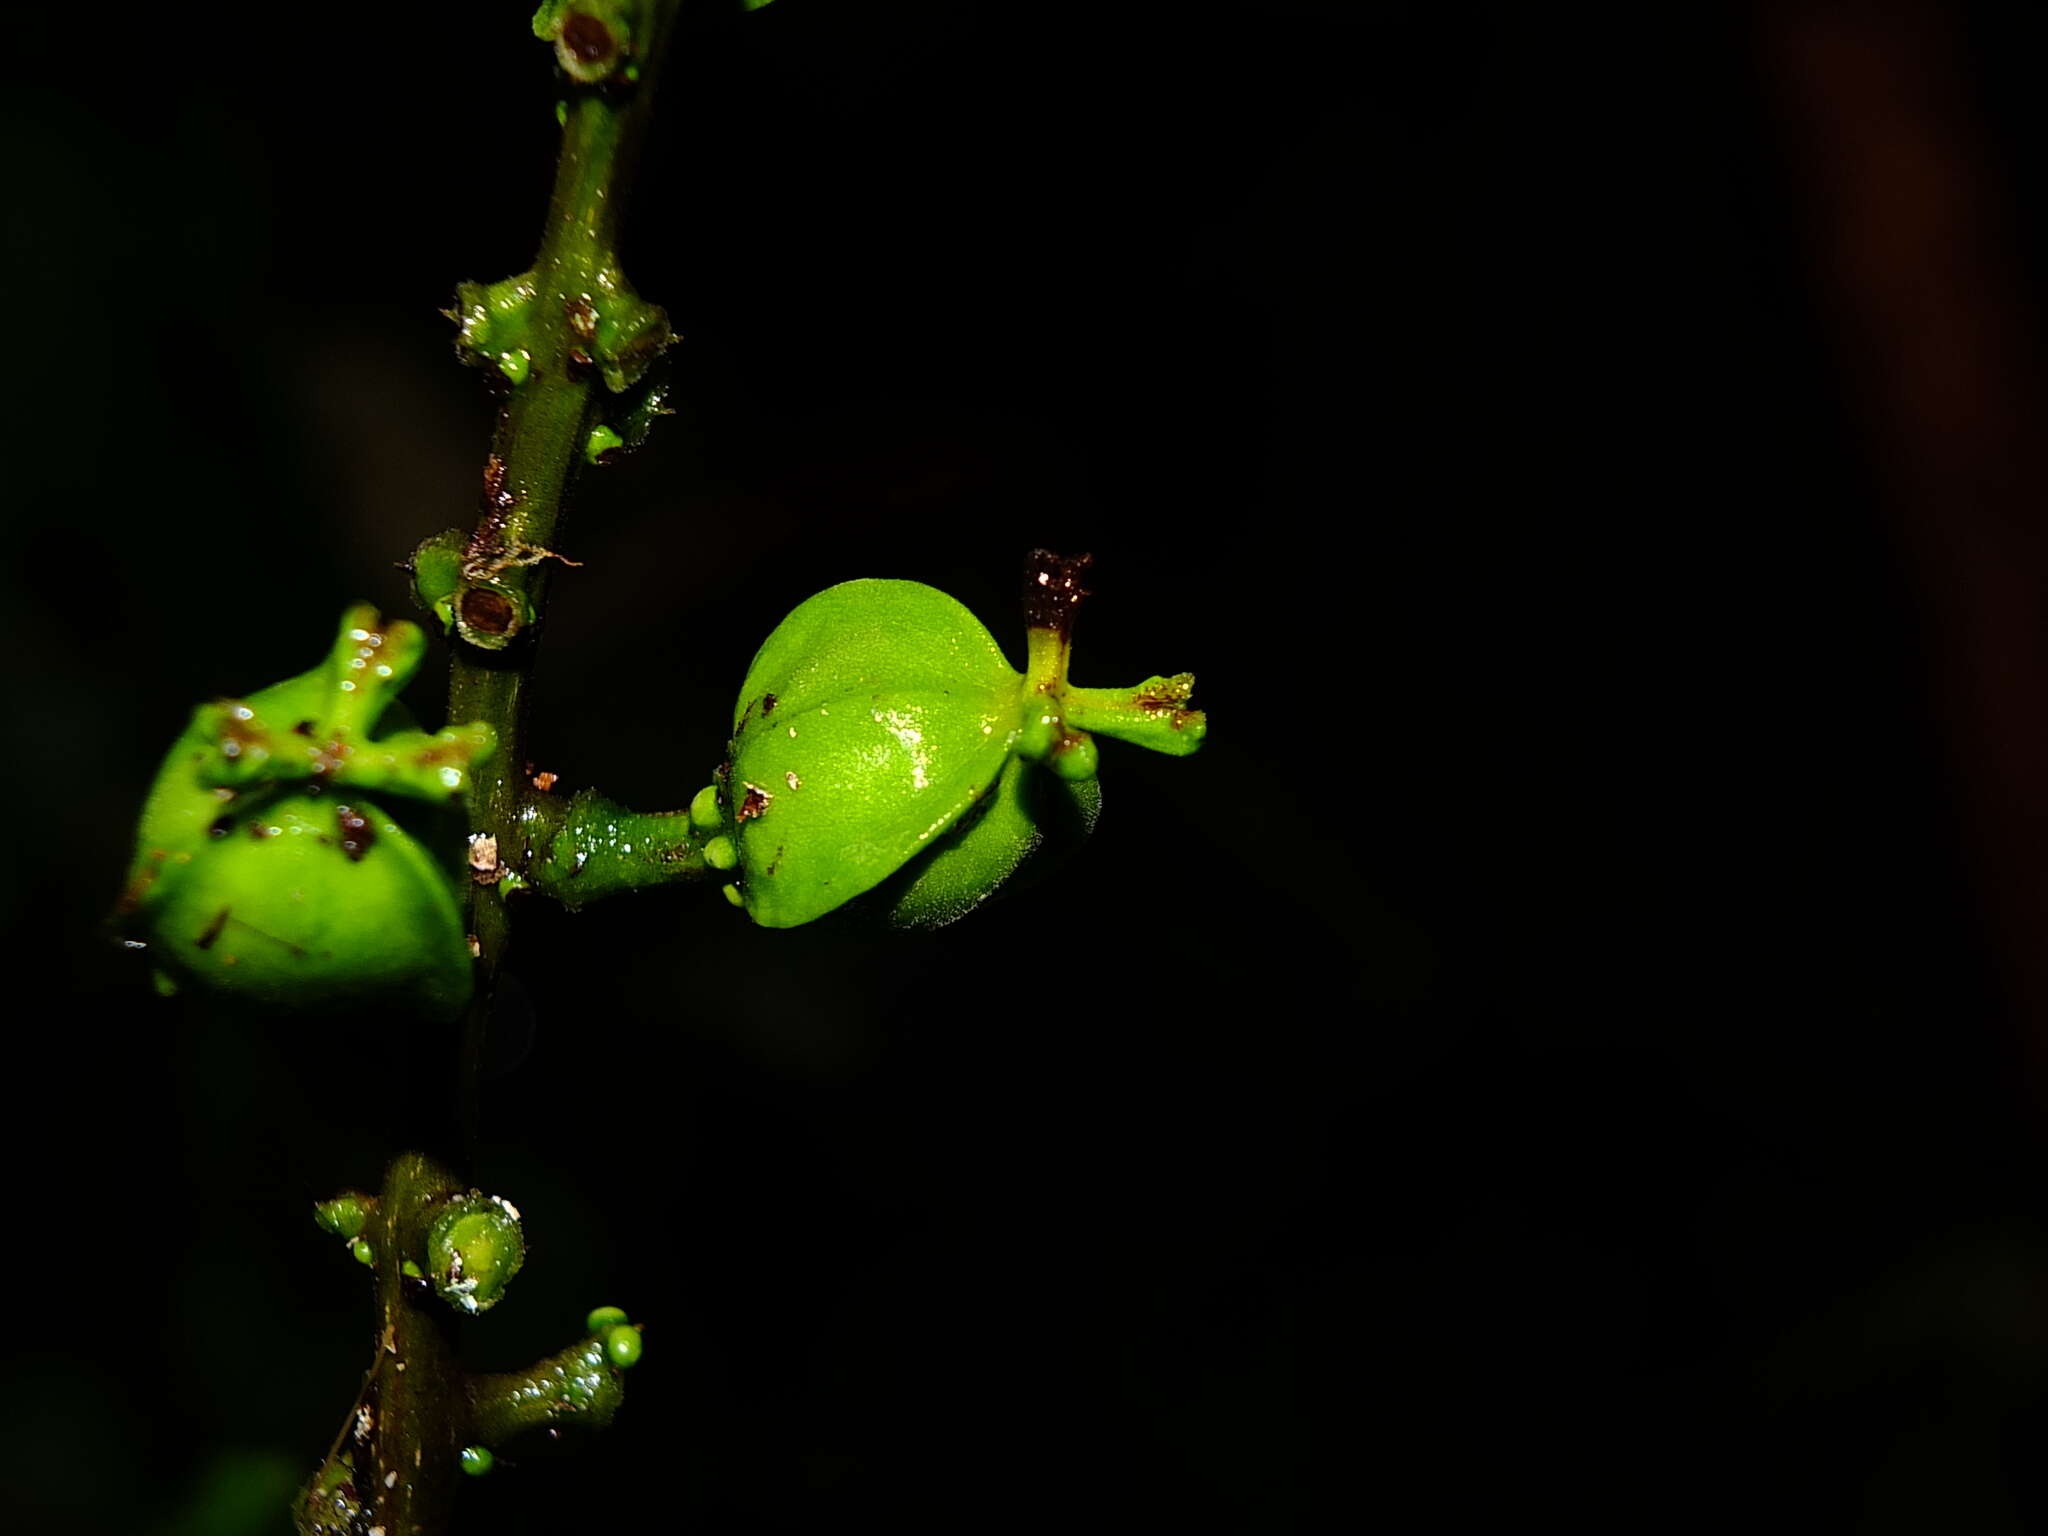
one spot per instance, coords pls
(356, 832)
(755, 804)
(768, 703)
(303, 728)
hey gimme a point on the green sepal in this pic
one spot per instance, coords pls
(1033, 818)
(437, 574)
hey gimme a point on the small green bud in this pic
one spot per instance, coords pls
(344, 1215)
(474, 1248)
(411, 1271)
(601, 1318)
(364, 1253)
(622, 1346)
(477, 1460)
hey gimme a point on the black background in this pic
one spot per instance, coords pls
(1547, 1055)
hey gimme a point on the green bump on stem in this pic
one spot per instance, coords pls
(622, 1346)
(477, 1460)
(601, 1318)
(704, 809)
(602, 440)
(345, 1215)
(363, 1252)
(720, 853)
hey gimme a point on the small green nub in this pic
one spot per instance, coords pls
(477, 1460)
(732, 894)
(704, 812)
(364, 1253)
(602, 1318)
(344, 1215)
(474, 1248)
(515, 366)
(411, 1270)
(602, 441)
(720, 853)
(622, 1346)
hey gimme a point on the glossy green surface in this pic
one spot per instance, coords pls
(622, 1346)
(1032, 818)
(875, 715)
(882, 743)
(268, 866)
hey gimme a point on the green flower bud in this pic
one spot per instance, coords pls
(474, 1248)
(882, 742)
(269, 867)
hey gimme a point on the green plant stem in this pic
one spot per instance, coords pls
(539, 442)
(421, 1414)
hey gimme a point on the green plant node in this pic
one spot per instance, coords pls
(593, 38)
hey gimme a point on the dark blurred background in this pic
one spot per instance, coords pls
(1572, 1045)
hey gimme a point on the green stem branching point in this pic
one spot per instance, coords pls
(421, 1422)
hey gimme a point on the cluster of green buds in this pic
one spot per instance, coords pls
(296, 849)
(884, 747)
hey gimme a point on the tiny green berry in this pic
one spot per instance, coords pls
(477, 1460)
(601, 1318)
(622, 1346)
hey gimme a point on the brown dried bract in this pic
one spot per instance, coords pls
(1053, 590)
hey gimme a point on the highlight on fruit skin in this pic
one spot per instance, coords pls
(298, 848)
(883, 746)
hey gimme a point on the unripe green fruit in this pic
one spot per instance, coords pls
(882, 742)
(269, 868)
(279, 913)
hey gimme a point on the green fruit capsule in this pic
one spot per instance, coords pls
(882, 742)
(271, 866)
